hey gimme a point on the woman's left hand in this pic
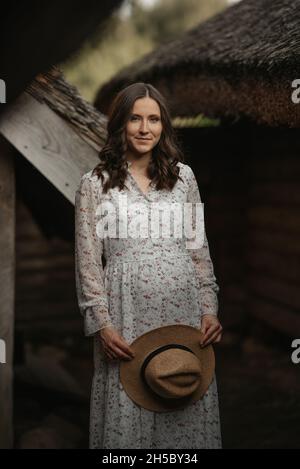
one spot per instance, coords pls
(211, 328)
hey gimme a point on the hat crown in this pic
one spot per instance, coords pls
(145, 386)
(173, 373)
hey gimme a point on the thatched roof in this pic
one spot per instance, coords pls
(239, 63)
(57, 136)
(64, 99)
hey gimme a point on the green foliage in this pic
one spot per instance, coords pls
(124, 38)
(198, 121)
(167, 19)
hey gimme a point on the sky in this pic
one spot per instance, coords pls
(125, 9)
(152, 2)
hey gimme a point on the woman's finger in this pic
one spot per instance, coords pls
(204, 327)
(213, 331)
(125, 348)
(114, 348)
(109, 355)
(210, 330)
(120, 353)
(108, 350)
(219, 338)
(211, 339)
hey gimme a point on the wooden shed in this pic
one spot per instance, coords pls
(50, 136)
(240, 62)
(239, 66)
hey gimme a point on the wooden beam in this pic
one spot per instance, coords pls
(48, 142)
(7, 282)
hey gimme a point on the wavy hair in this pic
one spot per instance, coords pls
(162, 169)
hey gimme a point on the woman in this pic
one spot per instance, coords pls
(147, 281)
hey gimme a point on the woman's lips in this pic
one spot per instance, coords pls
(143, 140)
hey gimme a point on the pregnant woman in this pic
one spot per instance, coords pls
(148, 281)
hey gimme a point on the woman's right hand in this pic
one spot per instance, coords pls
(114, 345)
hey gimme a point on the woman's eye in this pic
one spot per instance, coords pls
(153, 119)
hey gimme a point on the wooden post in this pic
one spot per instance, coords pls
(7, 291)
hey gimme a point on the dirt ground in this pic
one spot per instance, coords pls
(259, 389)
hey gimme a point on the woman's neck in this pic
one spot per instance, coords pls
(140, 163)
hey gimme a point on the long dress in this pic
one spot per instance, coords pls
(146, 283)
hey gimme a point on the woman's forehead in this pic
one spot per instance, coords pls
(145, 106)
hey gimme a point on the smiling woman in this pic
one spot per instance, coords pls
(143, 129)
(140, 131)
(148, 282)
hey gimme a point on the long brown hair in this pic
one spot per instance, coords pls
(162, 169)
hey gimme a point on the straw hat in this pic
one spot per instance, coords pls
(170, 370)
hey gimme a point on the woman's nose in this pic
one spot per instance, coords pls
(144, 126)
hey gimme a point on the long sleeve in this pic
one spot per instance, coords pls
(90, 286)
(208, 288)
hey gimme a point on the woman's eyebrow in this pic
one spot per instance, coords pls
(150, 115)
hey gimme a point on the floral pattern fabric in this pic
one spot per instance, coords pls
(147, 282)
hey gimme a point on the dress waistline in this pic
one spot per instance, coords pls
(125, 258)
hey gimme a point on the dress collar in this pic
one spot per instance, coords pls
(151, 186)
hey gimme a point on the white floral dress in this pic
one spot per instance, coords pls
(146, 283)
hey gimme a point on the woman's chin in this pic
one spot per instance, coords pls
(143, 150)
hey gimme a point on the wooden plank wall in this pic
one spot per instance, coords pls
(273, 234)
(45, 281)
(249, 179)
(215, 156)
(7, 281)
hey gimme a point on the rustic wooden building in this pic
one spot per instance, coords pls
(241, 62)
(49, 137)
(239, 66)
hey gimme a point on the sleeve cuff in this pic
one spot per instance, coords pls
(95, 319)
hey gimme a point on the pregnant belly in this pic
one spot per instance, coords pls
(167, 292)
(166, 276)
(153, 292)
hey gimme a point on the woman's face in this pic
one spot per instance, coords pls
(144, 127)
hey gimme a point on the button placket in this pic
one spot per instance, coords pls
(145, 195)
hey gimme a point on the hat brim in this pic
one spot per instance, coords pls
(133, 383)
